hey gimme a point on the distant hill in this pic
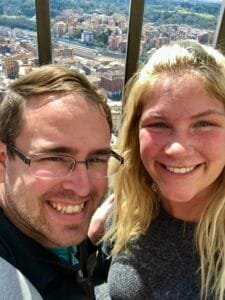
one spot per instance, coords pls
(211, 1)
(196, 13)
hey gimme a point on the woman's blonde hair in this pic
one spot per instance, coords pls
(136, 202)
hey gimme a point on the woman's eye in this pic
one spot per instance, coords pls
(158, 125)
(204, 124)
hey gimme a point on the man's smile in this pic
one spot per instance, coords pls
(65, 208)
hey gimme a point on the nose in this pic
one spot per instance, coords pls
(78, 181)
(179, 146)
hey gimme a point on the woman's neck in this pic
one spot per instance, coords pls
(186, 211)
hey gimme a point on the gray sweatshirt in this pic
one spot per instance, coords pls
(162, 264)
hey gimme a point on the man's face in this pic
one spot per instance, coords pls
(56, 212)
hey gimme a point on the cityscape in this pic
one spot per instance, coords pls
(94, 44)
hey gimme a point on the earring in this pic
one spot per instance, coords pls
(155, 187)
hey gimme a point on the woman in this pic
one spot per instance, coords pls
(168, 224)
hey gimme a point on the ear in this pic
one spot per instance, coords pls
(2, 161)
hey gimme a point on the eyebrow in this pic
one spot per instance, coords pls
(153, 115)
(199, 115)
(207, 113)
(69, 151)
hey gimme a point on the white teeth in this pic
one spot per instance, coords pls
(67, 209)
(182, 170)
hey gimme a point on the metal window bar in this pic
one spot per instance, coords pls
(134, 34)
(134, 37)
(219, 38)
(43, 31)
(133, 40)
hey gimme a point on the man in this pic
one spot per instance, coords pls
(55, 145)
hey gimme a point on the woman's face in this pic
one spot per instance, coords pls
(182, 140)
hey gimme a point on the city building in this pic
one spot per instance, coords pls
(11, 66)
(95, 43)
(87, 37)
(112, 83)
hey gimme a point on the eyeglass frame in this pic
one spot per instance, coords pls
(27, 160)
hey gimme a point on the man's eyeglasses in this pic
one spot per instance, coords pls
(61, 165)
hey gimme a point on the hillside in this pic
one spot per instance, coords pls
(196, 13)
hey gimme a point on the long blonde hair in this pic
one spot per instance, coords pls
(136, 203)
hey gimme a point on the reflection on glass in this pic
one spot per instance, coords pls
(18, 46)
(168, 21)
(91, 36)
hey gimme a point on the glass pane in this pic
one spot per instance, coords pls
(18, 40)
(166, 21)
(91, 36)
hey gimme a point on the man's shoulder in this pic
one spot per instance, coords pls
(6, 248)
(14, 285)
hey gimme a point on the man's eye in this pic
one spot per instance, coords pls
(52, 159)
(99, 159)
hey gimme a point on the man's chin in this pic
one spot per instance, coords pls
(67, 241)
